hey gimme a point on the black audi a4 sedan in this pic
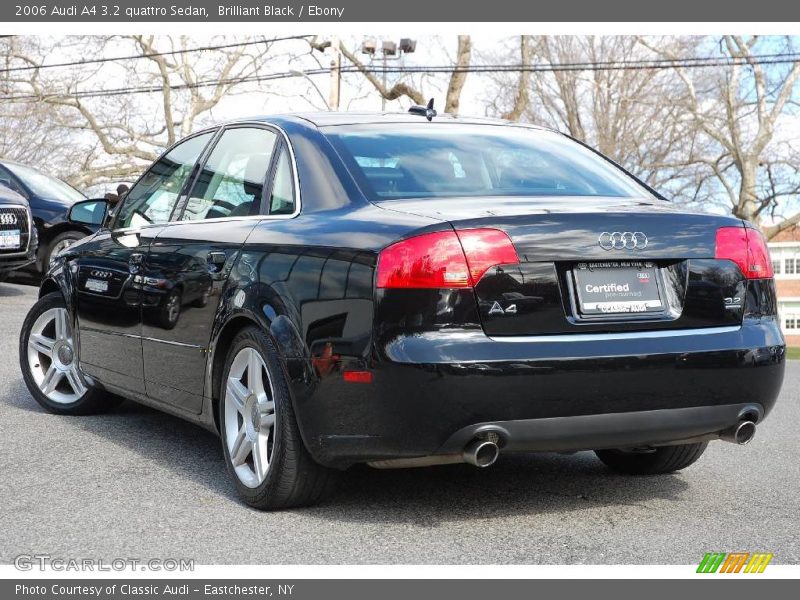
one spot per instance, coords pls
(330, 289)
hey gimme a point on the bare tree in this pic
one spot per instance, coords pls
(405, 88)
(27, 132)
(122, 129)
(522, 93)
(628, 114)
(737, 110)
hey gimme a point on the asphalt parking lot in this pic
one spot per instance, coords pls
(138, 483)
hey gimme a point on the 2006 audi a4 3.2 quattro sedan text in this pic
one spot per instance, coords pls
(332, 289)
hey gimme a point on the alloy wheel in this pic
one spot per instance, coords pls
(249, 417)
(52, 359)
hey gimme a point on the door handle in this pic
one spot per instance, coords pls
(135, 263)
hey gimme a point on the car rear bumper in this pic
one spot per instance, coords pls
(433, 392)
(612, 430)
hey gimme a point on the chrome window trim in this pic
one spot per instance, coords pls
(220, 129)
(622, 335)
(296, 177)
(30, 229)
(214, 130)
(292, 157)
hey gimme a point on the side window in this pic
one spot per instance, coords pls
(282, 200)
(153, 198)
(231, 183)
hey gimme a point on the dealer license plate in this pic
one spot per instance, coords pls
(612, 288)
(10, 240)
(96, 285)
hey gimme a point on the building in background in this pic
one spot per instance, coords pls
(785, 251)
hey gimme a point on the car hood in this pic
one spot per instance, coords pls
(8, 196)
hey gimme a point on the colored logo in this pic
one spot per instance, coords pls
(734, 562)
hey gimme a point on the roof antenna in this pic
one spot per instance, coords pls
(424, 111)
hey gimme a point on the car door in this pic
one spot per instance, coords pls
(108, 285)
(188, 263)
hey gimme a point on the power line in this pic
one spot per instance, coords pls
(94, 61)
(696, 62)
(592, 65)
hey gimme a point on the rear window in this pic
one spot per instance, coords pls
(453, 160)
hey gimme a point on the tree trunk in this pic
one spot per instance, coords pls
(459, 77)
(748, 205)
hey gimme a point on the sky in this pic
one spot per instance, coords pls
(297, 94)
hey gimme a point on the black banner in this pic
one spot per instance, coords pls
(132, 11)
(341, 589)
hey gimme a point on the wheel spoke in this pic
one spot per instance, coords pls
(260, 460)
(237, 393)
(255, 377)
(51, 380)
(42, 344)
(267, 420)
(75, 382)
(241, 448)
(62, 330)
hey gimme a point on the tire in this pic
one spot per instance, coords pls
(3, 276)
(290, 478)
(48, 357)
(68, 238)
(665, 459)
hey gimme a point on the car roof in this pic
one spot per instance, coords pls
(333, 118)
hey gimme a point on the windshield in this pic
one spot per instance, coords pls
(44, 185)
(452, 160)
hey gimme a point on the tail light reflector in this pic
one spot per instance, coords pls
(747, 248)
(445, 259)
(357, 376)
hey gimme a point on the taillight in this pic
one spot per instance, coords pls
(747, 248)
(444, 259)
(485, 248)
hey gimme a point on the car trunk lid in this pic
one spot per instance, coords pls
(597, 264)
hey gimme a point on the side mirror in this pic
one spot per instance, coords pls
(89, 212)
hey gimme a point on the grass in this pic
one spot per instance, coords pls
(793, 353)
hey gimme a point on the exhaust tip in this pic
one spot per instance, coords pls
(742, 433)
(745, 432)
(481, 453)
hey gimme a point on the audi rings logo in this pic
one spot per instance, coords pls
(101, 274)
(622, 240)
(8, 219)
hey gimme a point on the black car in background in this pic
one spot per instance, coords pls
(332, 289)
(18, 240)
(50, 200)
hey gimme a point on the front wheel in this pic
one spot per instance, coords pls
(60, 243)
(49, 362)
(654, 461)
(264, 452)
